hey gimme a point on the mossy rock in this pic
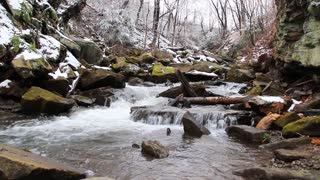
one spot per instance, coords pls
(24, 13)
(120, 64)
(89, 51)
(33, 68)
(147, 58)
(255, 91)
(70, 44)
(314, 9)
(160, 70)
(286, 119)
(19, 164)
(238, 75)
(37, 100)
(309, 126)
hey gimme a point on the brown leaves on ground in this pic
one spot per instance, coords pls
(267, 121)
(315, 141)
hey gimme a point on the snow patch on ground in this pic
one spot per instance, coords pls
(7, 29)
(5, 83)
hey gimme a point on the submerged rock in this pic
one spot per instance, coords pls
(135, 81)
(97, 78)
(274, 173)
(291, 155)
(37, 100)
(192, 127)
(18, 164)
(101, 95)
(155, 149)
(309, 126)
(287, 143)
(248, 134)
(83, 101)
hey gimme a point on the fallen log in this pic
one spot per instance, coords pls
(215, 100)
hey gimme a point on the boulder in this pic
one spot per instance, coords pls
(269, 104)
(11, 89)
(83, 101)
(309, 126)
(70, 44)
(59, 85)
(154, 149)
(291, 155)
(238, 75)
(147, 58)
(135, 81)
(286, 119)
(89, 51)
(264, 173)
(160, 74)
(18, 164)
(37, 100)
(101, 95)
(255, 91)
(97, 78)
(292, 143)
(248, 134)
(176, 91)
(192, 127)
(31, 65)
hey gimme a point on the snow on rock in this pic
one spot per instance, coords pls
(29, 55)
(72, 61)
(195, 72)
(295, 102)
(50, 47)
(272, 99)
(5, 83)
(7, 28)
(100, 67)
(15, 4)
(58, 74)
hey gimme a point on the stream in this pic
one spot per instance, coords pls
(99, 140)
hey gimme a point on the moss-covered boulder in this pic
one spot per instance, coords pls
(37, 100)
(89, 51)
(286, 119)
(161, 74)
(238, 75)
(69, 43)
(96, 78)
(255, 91)
(59, 85)
(309, 126)
(29, 64)
(120, 64)
(19, 164)
(21, 10)
(147, 58)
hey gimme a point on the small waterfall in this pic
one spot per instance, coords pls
(213, 117)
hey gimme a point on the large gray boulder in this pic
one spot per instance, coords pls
(192, 127)
(18, 164)
(154, 149)
(248, 134)
(37, 100)
(90, 51)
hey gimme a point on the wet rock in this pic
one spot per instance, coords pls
(97, 78)
(313, 104)
(287, 143)
(238, 75)
(154, 149)
(248, 134)
(192, 127)
(291, 155)
(255, 91)
(37, 100)
(135, 81)
(263, 173)
(90, 51)
(31, 68)
(60, 85)
(12, 90)
(176, 91)
(286, 119)
(136, 146)
(101, 95)
(18, 164)
(309, 126)
(83, 101)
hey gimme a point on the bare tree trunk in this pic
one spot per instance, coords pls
(186, 88)
(146, 27)
(139, 11)
(175, 22)
(156, 18)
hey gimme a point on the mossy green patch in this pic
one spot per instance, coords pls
(255, 91)
(160, 70)
(309, 126)
(286, 119)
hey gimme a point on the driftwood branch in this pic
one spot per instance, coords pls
(215, 100)
(186, 88)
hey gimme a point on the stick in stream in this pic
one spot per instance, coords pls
(186, 88)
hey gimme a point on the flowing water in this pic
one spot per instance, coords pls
(99, 140)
